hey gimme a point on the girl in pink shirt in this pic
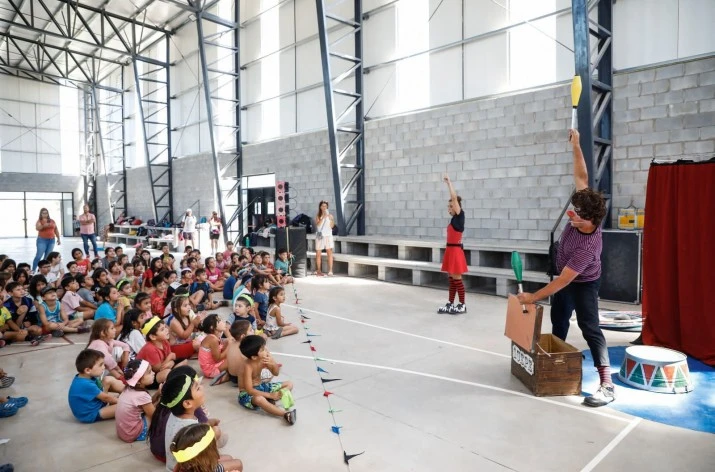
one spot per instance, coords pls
(135, 408)
(116, 353)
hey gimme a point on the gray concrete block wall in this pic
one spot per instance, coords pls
(508, 157)
(664, 113)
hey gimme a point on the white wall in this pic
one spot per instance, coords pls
(525, 56)
(39, 127)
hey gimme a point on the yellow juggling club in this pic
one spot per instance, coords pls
(575, 97)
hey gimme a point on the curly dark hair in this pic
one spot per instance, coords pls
(589, 205)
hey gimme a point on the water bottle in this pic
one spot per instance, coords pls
(248, 242)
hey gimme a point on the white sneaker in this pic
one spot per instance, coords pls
(458, 309)
(603, 396)
(447, 308)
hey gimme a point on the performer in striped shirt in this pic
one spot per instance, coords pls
(579, 262)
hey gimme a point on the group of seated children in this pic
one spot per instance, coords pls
(150, 323)
(174, 420)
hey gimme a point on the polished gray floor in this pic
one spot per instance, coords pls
(418, 392)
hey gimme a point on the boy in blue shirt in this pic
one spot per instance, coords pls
(89, 396)
(231, 282)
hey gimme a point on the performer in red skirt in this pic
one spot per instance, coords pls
(454, 262)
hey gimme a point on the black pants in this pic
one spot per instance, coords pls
(582, 297)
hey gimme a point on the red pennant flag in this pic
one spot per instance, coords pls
(312, 349)
(327, 394)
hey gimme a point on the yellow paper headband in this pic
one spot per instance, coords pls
(247, 297)
(190, 452)
(149, 325)
(180, 396)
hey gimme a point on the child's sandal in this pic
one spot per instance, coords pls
(290, 417)
(6, 381)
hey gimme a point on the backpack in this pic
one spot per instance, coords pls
(151, 222)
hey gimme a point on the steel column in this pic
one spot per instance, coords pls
(153, 110)
(343, 161)
(594, 110)
(227, 179)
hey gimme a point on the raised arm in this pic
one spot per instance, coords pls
(452, 195)
(580, 172)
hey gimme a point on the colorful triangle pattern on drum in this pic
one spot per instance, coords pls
(681, 379)
(622, 373)
(630, 363)
(648, 369)
(637, 375)
(659, 379)
(669, 373)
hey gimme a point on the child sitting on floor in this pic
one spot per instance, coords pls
(261, 285)
(158, 296)
(131, 334)
(234, 359)
(109, 306)
(284, 260)
(194, 448)
(72, 302)
(254, 393)
(157, 350)
(116, 353)
(124, 287)
(183, 395)
(212, 354)
(135, 408)
(157, 429)
(276, 327)
(242, 311)
(54, 319)
(89, 397)
(19, 307)
(183, 328)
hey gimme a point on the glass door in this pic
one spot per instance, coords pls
(13, 214)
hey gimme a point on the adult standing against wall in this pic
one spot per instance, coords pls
(189, 229)
(324, 223)
(88, 230)
(578, 259)
(46, 233)
(214, 231)
(454, 262)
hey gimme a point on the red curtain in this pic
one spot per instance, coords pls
(679, 259)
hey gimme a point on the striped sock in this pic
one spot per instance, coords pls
(604, 373)
(460, 290)
(452, 289)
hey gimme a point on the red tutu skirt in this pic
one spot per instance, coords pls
(454, 261)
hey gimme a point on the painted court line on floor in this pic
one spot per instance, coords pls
(384, 328)
(582, 409)
(611, 445)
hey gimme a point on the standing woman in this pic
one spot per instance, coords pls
(87, 229)
(189, 230)
(324, 237)
(454, 262)
(46, 233)
(214, 231)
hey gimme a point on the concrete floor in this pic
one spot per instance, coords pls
(419, 392)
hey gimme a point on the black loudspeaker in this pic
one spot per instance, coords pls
(282, 200)
(621, 266)
(296, 243)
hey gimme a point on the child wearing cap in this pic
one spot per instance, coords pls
(135, 408)
(52, 317)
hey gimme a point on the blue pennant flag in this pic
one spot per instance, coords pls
(336, 429)
(322, 370)
(308, 334)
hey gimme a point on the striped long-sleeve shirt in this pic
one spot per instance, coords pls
(580, 252)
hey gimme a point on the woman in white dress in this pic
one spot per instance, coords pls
(324, 224)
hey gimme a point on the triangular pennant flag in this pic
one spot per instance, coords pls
(322, 370)
(347, 457)
(328, 380)
(312, 349)
(307, 342)
(336, 429)
(332, 410)
(308, 334)
(302, 320)
(306, 327)
(304, 317)
(327, 394)
(320, 359)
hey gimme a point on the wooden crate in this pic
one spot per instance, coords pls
(544, 363)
